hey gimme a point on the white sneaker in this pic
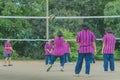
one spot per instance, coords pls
(76, 75)
(61, 69)
(112, 71)
(70, 63)
(87, 75)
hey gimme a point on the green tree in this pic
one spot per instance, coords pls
(112, 9)
(36, 28)
(23, 28)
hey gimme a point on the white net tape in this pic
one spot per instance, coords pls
(43, 39)
(24, 39)
(24, 17)
(59, 17)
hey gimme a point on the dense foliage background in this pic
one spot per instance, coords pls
(36, 28)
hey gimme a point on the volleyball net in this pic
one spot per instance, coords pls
(28, 33)
(30, 26)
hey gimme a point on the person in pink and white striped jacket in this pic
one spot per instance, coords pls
(108, 49)
(87, 47)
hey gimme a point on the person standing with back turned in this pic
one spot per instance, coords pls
(87, 47)
(108, 49)
(67, 52)
(59, 51)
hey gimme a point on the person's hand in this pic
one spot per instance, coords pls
(95, 52)
(102, 52)
(14, 51)
(50, 52)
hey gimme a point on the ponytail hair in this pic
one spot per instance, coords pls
(59, 34)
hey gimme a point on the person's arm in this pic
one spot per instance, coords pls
(103, 47)
(12, 49)
(78, 46)
(51, 50)
(78, 39)
(70, 50)
(94, 45)
(7, 47)
(47, 51)
(46, 48)
(104, 40)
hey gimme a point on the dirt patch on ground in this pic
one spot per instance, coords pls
(36, 70)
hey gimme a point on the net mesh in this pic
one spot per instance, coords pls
(28, 33)
(36, 23)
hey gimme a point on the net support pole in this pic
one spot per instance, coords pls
(47, 20)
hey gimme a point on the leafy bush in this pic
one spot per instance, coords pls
(14, 55)
(99, 55)
(1, 52)
(99, 50)
(117, 54)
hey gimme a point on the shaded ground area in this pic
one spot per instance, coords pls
(36, 70)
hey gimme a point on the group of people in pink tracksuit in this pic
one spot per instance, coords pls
(86, 40)
(60, 49)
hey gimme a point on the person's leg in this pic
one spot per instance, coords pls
(6, 59)
(46, 59)
(49, 59)
(69, 57)
(62, 62)
(88, 58)
(105, 57)
(65, 57)
(112, 62)
(9, 60)
(53, 59)
(93, 59)
(78, 66)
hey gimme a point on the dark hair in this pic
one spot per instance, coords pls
(108, 29)
(59, 34)
(85, 25)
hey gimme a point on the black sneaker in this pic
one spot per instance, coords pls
(5, 65)
(48, 69)
(10, 65)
